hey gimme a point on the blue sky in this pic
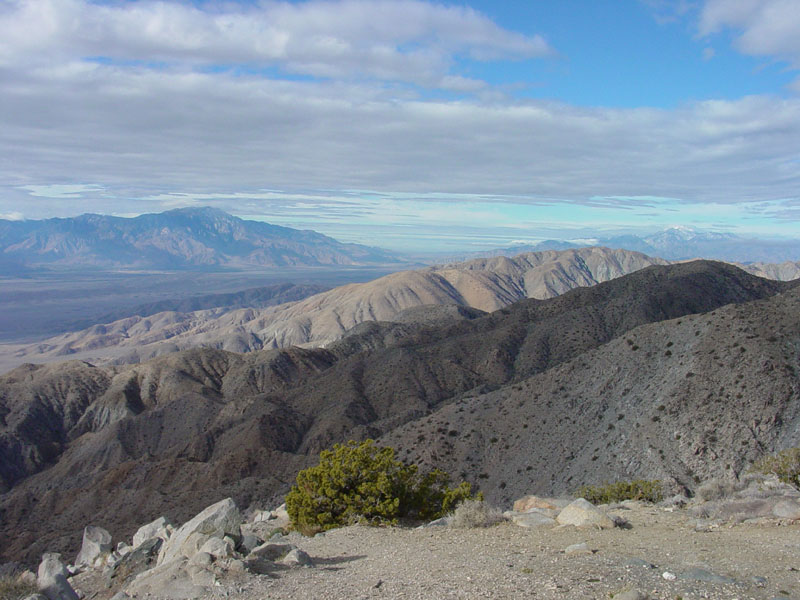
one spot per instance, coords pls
(408, 124)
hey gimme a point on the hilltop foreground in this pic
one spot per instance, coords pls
(729, 547)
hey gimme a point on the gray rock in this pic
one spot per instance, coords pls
(758, 581)
(202, 559)
(249, 542)
(218, 520)
(583, 513)
(703, 575)
(576, 549)
(160, 528)
(120, 596)
(272, 551)
(52, 579)
(168, 580)
(96, 546)
(787, 509)
(218, 548)
(37, 597)
(137, 561)
(533, 519)
(258, 565)
(297, 558)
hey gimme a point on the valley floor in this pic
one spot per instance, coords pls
(508, 561)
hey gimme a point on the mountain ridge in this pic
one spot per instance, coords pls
(147, 439)
(484, 284)
(185, 238)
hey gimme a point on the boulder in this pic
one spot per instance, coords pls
(52, 579)
(528, 502)
(583, 513)
(160, 528)
(131, 564)
(96, 546)
(218, 547)
(217, 520)
(249, 543)
(787, 509)
(532, 519)
(297, 558)
(169, 580)
(272, 551)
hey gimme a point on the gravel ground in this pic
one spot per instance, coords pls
(507, 561)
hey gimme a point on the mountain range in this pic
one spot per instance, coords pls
(678, 372)
(483, 284)
(676, 244)
(185, 238)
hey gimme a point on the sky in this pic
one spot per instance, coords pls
(410, 125)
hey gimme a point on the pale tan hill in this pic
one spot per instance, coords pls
(785, 271)
(485, 284)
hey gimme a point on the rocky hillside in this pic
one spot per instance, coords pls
(526, 397)
(177, 239)
(485, 284)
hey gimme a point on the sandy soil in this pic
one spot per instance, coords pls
(507, 561)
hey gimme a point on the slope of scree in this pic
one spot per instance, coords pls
(485, 284)
(681, 400)
(174, 434)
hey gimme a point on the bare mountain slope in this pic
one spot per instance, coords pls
(175, 433)
(485, 284)
(183, 238)
(680, 400)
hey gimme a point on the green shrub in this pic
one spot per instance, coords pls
(784, 464)
(11, 588)
(640, 489)
(364, 483)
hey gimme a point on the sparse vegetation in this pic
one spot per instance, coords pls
(475, 513)
(364, 483)
(11, 588)
(715, 489)
(639, 489)
(785, 464)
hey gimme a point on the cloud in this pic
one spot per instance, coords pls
(12, 216)
(202, 132)
(765, 27)
(396, 40)
(61, 190)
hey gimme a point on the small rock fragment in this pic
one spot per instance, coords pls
(297, 558)
(669, 576)
(575, 549)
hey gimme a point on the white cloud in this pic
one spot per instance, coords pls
(61, 190)
(12, 216)
(765, 27)
(398, 40)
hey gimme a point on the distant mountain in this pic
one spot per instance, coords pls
(674, 243)
(540, 396)
(186, 238)
(484, 284)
